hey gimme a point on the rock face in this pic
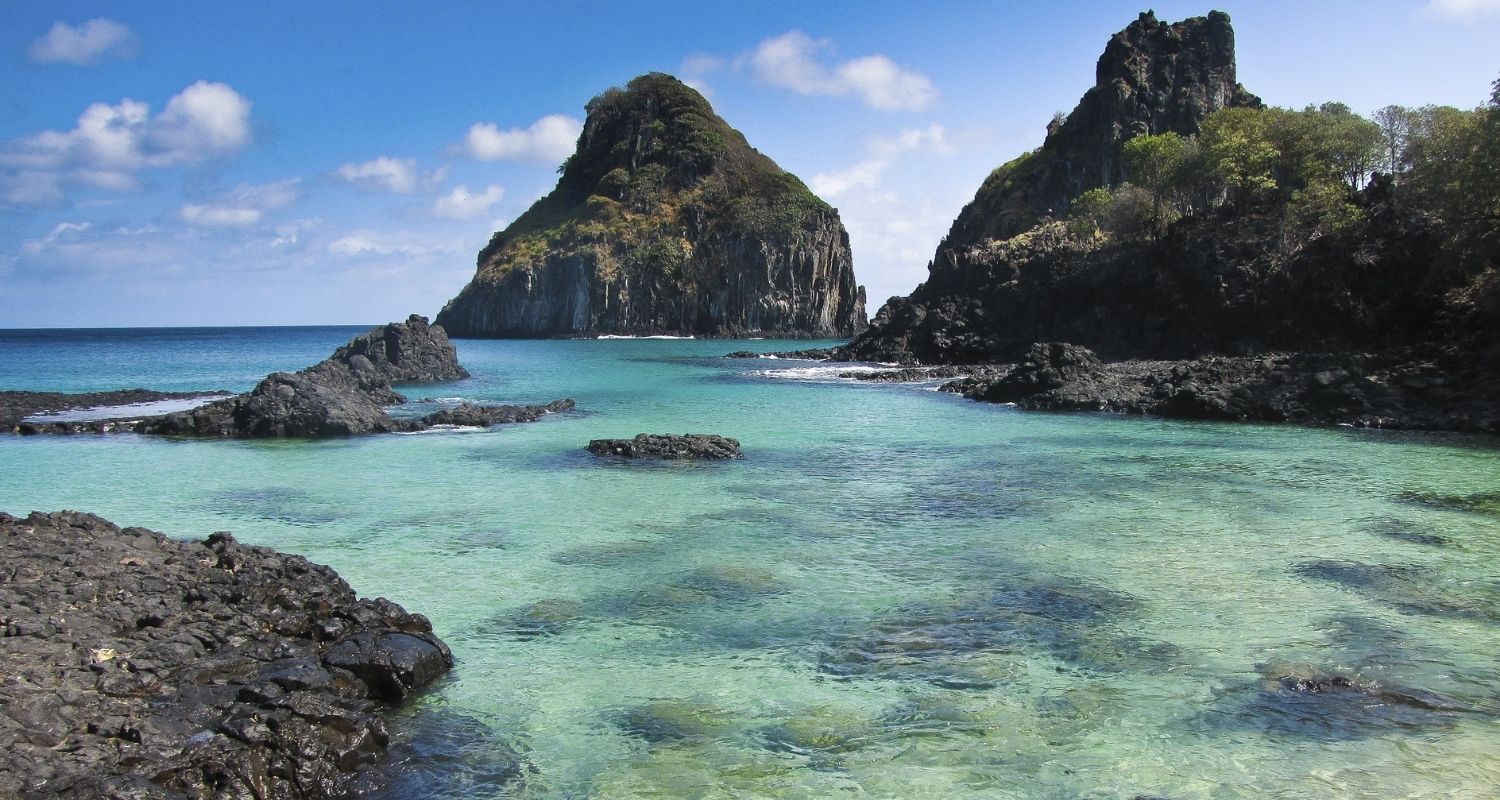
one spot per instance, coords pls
(668, 446)
(1152, 78)
(978, 299)
(665, 221)
(346, 394)
(139, 666)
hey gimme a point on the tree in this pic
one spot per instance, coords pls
(1239, 151)
(1395, 125)
(1155, 162)
(1349, 144)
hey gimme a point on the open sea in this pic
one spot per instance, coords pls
(897, 593)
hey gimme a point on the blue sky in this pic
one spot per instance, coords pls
(336, 162)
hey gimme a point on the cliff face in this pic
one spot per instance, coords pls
(1152, 78)
(665, 221)
(987, 298)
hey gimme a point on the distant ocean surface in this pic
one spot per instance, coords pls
(897, 593)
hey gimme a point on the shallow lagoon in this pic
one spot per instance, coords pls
(897, 593)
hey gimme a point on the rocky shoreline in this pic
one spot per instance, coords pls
(140, 666)
(1411, 389)
(346, 394)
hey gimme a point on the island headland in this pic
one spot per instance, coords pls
(665, 221)
(1177, 247)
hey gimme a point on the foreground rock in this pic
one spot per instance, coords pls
(668, 446)
(665, 221)
(139, 666)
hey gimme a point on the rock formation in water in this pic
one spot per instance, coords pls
(669, 446)
(139, 666)
(343, 395)
(665, 221)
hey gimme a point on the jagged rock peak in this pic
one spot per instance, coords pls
(1153, 77)
(665, 220)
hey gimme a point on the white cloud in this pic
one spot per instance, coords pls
(464, 203)
(243, 206)
(203, 120)
(792, 61)
(88, 43)
(59, 231)
(387, 174)
(1464, 8)
(696, 68)
(866, 174)
(373, 243)
(110, 143)
(549, 140)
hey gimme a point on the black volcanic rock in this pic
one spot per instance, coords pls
(665, 221)
(343, 395)
(483, 416)
(1152, 78)
(668, 446)
(139, 666)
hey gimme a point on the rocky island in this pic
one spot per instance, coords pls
(665, 221)
(140, 666)
(1179, 248)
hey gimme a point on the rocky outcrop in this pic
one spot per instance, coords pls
(1375, 391)
(139, 666)
(483, 416)
(668, 446)
(347, 393)
(1152, 78)
(665, 221)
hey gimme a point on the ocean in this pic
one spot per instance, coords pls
(897, 593)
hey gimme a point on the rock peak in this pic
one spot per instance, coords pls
(1153, 77)
(665, 220)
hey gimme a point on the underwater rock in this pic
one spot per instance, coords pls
(1405, 588)
(1406, 532)
(668, 446)
(671, 720)
(1478, 503)
(543, 618)
(1306, 701)
(141, 666)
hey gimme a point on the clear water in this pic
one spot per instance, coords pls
(895, 594)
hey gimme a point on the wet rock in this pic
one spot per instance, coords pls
(17, 406)
(439, 753)
(483, 416)
(668, 446)
(140, 666)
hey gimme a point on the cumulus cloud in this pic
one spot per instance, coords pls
(794, 61)
(243, 206)
(89, 43)
(1464, 8)
(696, 68)
(881, 152)
(464, 203)
(549, 140)
(387, 174)
(112, 142)
(376, 243)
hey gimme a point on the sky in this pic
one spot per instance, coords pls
(286, 163)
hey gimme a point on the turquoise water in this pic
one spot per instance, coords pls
(896, 593)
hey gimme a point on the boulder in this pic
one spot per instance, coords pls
(668, 446)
